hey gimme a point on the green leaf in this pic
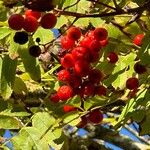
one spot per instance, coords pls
(4, 31)
(31, 64)
(7, 122)
(19, 86)
(75, 101)
(8, 72)
(14, 114)
(29, 139)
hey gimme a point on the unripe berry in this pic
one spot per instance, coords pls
(67, 43)
(30, 24)
(67, 61)
(112, 57)
(69, 108)
(64, 75)
(65, 92)
(35, 14)
(21, 37)
(100, 34)
(48, 21)
(95, 116)
(16, 21)
(35, 51)
(74, 33)
(132, 83)
(138, 39)
(139, 68)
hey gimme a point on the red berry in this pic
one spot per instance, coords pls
(16, 21)
(95, 76)
(69, 108)
(80, 53)
(65, 92)
(138, 39)
(104, 43)
(67, 61)
(112, 57)
(100, 90)
(139, 68)
(95, 116)
(54, 98)
(88, 88)
(75, 81)
(74, 33)
(83, 122)
(85, 42)
(67, 43)
(94, 56)
(132, 83)
(81, 68)
(64, 75)
(35, 14)
(48, 21)
(100, 34)
(30, 24)
(94, 46)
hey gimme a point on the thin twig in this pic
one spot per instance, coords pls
(72, 5)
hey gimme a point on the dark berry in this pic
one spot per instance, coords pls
(74, 33)
(38, 40)
(16, 21)
(88, 88)
(138, 39)
(65, 92)
(132, 83)
(30, 24)
(48, 21)
(100, 34)
(139, 68)
(35, 51)
(100, 90)
(112, 57)
(21, 37)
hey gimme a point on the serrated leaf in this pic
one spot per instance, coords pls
(7, 79)
(29, 139)
(7, 122)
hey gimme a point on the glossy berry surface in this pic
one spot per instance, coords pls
(67, 61)
(64, 75)
(95, 116)
(35, 14)
(138, 39)
(65, 92)
(139, 68)
(35, 51)
(132, 83)
(48, 21)
(16, 21)
(30, 24)
(112, 57)
(67, 43)
(21, 37)
(100, 34)
(69, 108)
(74, 33)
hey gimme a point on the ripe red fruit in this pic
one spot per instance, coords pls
(94, 46)
(104, 43)
(75, 81)
(100, 90)
(67, 61)
(100, 34)
(69, 108)
(132, 83)
(30, 24)
(65, 92)
(139, 68)
(85, 42)
(16, 21)
(48, 21)
(35, 14)
(64, 75)
(82, 68)
(67, 43)
(54, 98)
(95, 116)
(112, 57)
(80, 53)
(95, 76)
(88, 88)
(138, 39)
(74, 33)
